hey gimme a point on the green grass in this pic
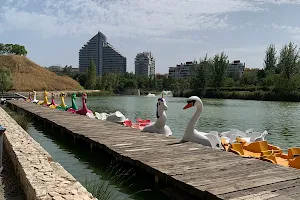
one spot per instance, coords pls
(245, 95)
(114, 177)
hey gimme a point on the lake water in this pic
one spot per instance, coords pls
(280, 119)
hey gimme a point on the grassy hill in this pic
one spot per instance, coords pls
(28, 76)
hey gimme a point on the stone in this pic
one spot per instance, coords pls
(58, 198)
(61, 191)
(68, 197)
(53, 194)
(74, 192)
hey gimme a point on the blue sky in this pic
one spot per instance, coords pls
(175, 31)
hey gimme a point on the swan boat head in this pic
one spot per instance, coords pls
(45, 94)
(62, 97)
(194, 101)
(84, 98)
(52, 99)
(161, 106)
(73, 97)
(34, 97)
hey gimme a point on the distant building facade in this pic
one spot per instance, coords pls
(55, 68)
(160, 76)
(182, 71)
(106, 58)
(144, 64)
(58, 69)
(236, 67)
(113, 61)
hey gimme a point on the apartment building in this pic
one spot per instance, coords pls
(181, 71)
(144, 64)
(106, 58)
(113, 61)
(236, 67)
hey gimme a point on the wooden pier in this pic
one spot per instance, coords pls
(9, 96)
(201, 171)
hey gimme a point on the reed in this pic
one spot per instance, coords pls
(22, 118)
(114, 177)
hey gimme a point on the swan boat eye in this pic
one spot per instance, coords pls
(191, 101)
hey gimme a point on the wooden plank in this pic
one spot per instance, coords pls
(193, 168)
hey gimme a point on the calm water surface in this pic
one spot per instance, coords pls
(280, 119)
(86, 166)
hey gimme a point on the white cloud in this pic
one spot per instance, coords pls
(290, 29)
(278, 1)
(294, 31)
(184, 40)
(124, 18)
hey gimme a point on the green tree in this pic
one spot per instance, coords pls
(249, 78)
(7, 48)
(288, 60)
(201, 75)
(1, 48)
(91, 80)
(219, 69)
(6, 82)
(229, 82)
(130, 84)
(67, 70)
(270, 59)
(12, 49)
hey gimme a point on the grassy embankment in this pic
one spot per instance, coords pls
(29, 76)
(247, 93)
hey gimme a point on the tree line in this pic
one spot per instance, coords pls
(279, 79)
(6, 49)
(210, 77)
(119, 83)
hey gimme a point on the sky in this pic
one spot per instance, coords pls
(175, 31)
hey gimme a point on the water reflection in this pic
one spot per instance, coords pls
(85, 165)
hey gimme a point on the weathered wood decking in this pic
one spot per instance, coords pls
(198, 170)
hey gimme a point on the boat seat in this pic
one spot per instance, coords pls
(275, 158)
(127, 123)
(238, 149)
(241, 140)
(261, 146)
(292, 153)
(295, 162)
(224, 144)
